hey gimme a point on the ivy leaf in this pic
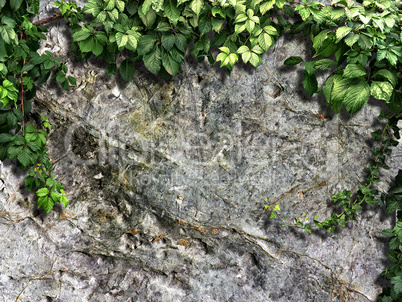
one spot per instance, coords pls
(127, 70)
(356, 96)
(381, 90)
(293, 61)
(397, 188)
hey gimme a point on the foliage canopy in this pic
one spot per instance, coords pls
(360, 44)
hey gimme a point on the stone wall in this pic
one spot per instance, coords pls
(167, 181)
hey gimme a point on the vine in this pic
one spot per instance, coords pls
(360, 44)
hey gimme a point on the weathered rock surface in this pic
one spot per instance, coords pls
(167, 181)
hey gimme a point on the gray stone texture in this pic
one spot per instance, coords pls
(167, 181)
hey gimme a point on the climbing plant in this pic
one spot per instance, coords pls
(358, 43)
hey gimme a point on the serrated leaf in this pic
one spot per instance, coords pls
(320, 38)
(266, 6)
(338, 92)
(310, 83)
(5, 138)
(15, 4)
(356, 96)
(365, 42)
(293, 61)
(328, 47)
(153, 60)
(381, 90)
(168, 41)
(64, 200)
(172, 11)
(342, 32)
(351, 39)
(397, 282)
(127, 70)
(181, 42)
(85, 46)
(196, 6)
(388, 75)
(42, 192)
(171, 66)
(146, 44)
(354, 71)
(324, 64)
(46, 203)
(265, 41)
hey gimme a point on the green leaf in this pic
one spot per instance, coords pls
(127, 70)
(265, 41)
(388, 75)
(42, 192)
(121, 39)
(381, 90)
(266, 6)
(168, 41)
(354, 71)
(171, 66)
(153, 60)
(397, 187)
(342, 32)
(146, 44)
(5, 138)
(72, 80)
(310, 83)
(324, 64)
(81, 35)
(64, 200)
(85, 46)
(351, 39)
(320, 38)
(24, 157)
(293, 61)
(15, 4)
(328, 47)
(356, 96)
(46, 203)
(172, 11)
(397, 282)
(196, 6)
(338, 92)
(181, 42)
